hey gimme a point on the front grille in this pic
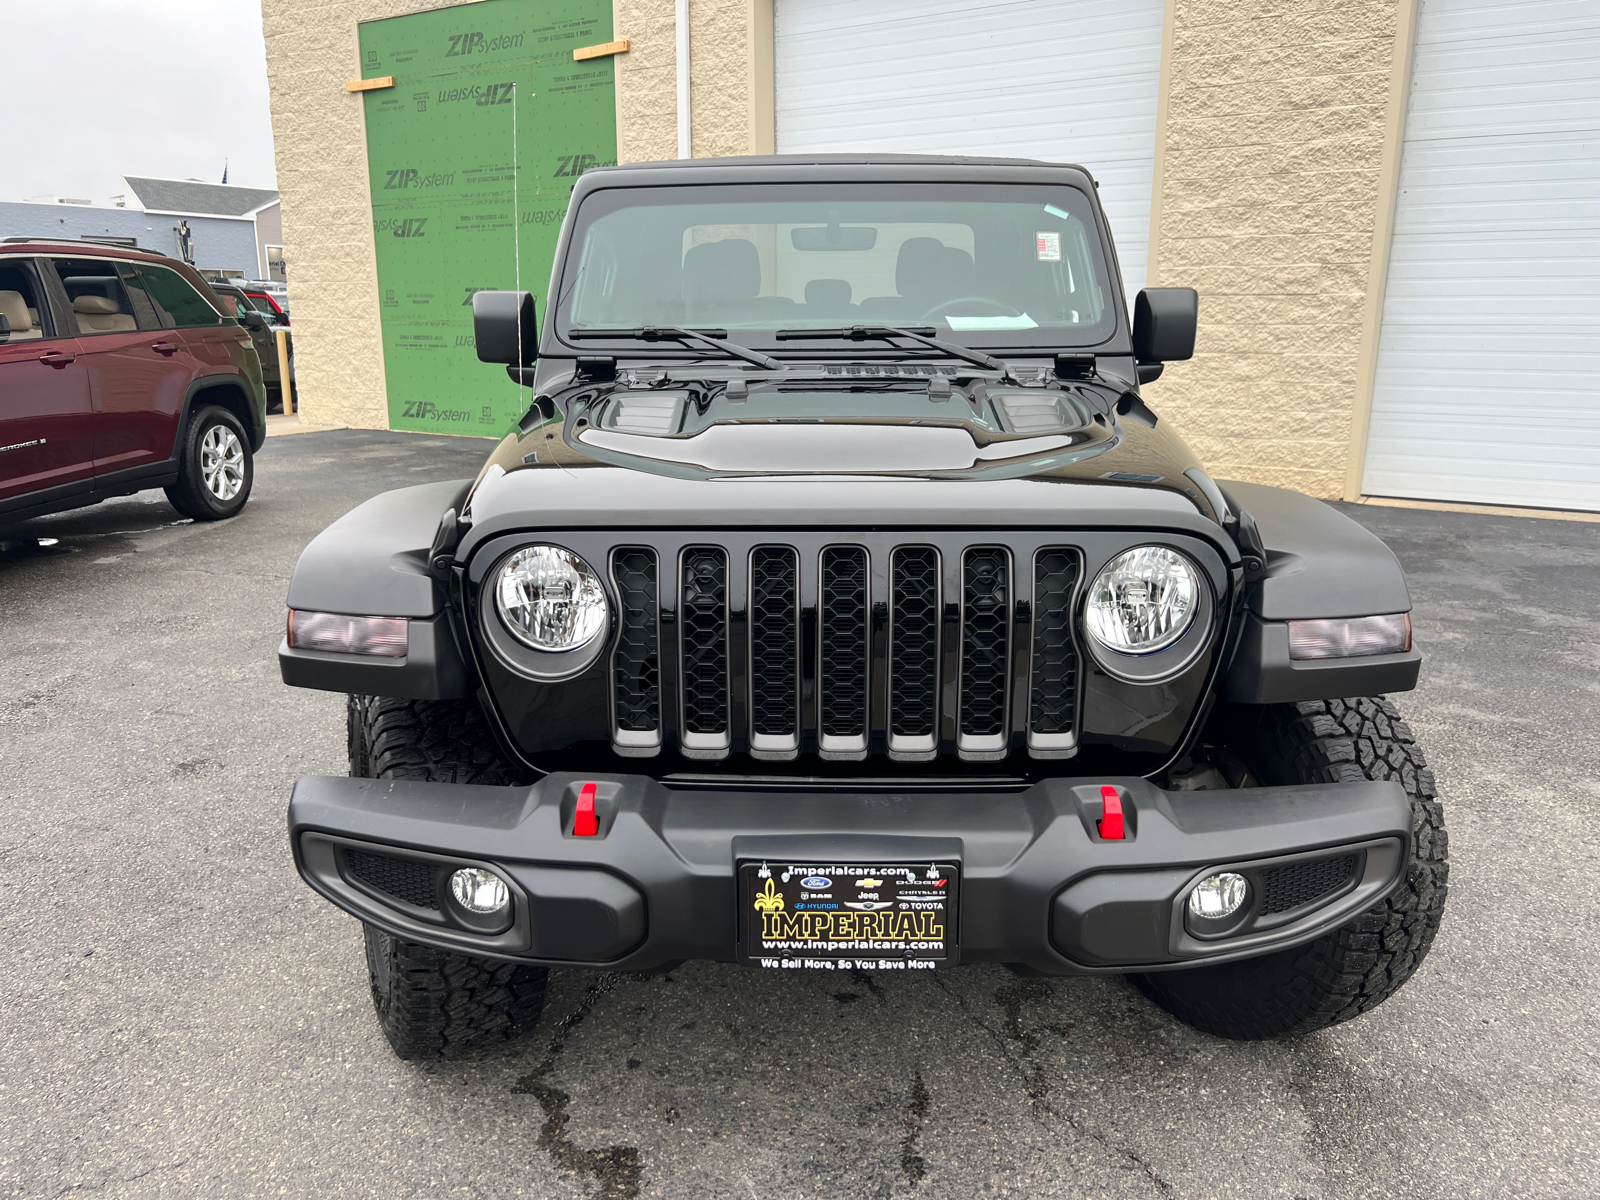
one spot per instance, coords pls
(914, 649)
(775, 646)
(985, 639)
(809, 646)
(636, 669)
(1284, 888)
(403, 878)
(705, 647)
(843, 651)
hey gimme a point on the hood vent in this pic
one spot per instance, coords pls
(1036, 412)
(656, 414)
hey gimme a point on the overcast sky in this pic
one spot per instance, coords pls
(97, 89)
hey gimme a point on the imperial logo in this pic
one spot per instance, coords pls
(403, 178)
(464, 44)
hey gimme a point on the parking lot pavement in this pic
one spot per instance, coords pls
(180, 1016)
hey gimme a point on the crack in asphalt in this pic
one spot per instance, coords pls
(911, 1162)
(95, 1187)
(616, 1169)
(1013, 1038)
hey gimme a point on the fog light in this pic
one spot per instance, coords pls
(479, 891)
(1216, 896)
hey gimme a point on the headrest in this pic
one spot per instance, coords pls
(97, 305)
(721, 273)
(828, 295)
(929, 270)
(15, 310)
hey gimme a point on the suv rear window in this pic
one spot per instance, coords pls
(177, 303)
(18, 277)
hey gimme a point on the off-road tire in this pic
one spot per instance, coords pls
(1361, 964)
(432, 1003)
(192, 495)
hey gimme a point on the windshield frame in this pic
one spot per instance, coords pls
(1107, 336)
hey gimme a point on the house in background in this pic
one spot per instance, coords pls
(225, 232)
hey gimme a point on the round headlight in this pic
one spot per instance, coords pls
(551, 599)
(1143, 600)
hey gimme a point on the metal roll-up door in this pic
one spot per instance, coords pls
(1075, 81)
(1488, 374)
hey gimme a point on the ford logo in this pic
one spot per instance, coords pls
(816, 882)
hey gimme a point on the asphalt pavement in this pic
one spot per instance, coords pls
(180, 1016)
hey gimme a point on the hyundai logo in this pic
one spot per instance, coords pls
(816, 883)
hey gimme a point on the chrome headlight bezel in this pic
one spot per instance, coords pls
(1163, 657)
(584, 612)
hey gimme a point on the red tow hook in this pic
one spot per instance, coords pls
(586, 824)
(1111, 828)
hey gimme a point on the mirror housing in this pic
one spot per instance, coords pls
(505, 328)
(254, 320)
(1164, 324)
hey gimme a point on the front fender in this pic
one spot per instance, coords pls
(373, 562)
(1320, 564)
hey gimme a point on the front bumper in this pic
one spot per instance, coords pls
(1039, 886)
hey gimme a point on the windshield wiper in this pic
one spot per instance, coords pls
(675, 333)
(860, 333)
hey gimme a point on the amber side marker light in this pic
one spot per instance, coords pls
(1350, 637)
(383, 637)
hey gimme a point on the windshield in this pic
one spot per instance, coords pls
(984, 264)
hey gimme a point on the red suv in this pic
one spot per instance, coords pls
(119, 372)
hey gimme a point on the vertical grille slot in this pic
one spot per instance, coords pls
(703, 618)
(843, 650)
(1053, 695)
(914, 653)
(985, 643)
(774, 652)
(636, 665)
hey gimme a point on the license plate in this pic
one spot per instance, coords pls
(848, 916)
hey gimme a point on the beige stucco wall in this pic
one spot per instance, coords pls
(321, 144)
(1272, 201)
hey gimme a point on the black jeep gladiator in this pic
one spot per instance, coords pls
(839, 604)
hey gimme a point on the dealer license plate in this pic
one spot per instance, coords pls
(844, 916)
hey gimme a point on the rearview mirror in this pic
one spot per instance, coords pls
(833, 237)
(1164, 323)
(505, 328)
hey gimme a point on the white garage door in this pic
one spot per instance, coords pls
(1488, 383)
(1069, 81)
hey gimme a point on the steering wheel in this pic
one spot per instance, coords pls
(998, 306)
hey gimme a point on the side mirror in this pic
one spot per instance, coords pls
(1164, 323)
(505, 327)
(254, 320)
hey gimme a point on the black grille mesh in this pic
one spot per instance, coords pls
(984, 616)
(1055, 659)
(1283, 888)
(705, 640)
(403, 878)
(843, 681)
(914, 654)
(774, 641)
(636, 670)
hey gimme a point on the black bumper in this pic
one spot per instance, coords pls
(1039, 886)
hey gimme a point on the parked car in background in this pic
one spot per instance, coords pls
(121, 371)
(272, 299)
(239, 305)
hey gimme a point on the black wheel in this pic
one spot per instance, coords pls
(215, 469)
(432, 1003)
(1360, 965)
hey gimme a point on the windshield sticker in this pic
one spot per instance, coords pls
(975, 324)
(1049, 246)
(1056, 212)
